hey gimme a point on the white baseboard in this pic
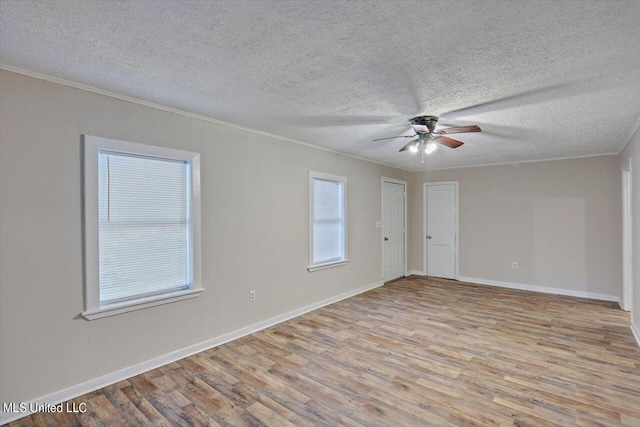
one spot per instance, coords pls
(140, 368)
(636, 333)
(416, 273)
(544, 289)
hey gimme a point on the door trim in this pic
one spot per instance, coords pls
(627, 239)
(425, 187)
(403, 183)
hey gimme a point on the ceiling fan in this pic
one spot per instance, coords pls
(427, 137)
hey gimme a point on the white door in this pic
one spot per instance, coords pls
(441, 230)
(393, 229)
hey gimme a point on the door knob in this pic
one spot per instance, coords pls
(428, 237)
(386, 238)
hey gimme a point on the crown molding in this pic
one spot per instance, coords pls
(586, 156)
(156, 106)
(629, 135)
(161, 107)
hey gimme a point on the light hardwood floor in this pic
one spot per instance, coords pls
(413, 352)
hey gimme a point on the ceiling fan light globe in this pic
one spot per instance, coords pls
(430, 147)
(414, 148)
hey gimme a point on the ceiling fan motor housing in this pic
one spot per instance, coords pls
(428, 121)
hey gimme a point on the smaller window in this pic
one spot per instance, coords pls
(142, 221)
(327, 221)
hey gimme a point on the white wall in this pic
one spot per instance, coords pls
(560, 220)
(254, 235)
(632, 151)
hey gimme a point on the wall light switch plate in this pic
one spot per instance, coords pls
(378, 224)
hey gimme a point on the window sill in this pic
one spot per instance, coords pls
(332, 264)
(123, 307)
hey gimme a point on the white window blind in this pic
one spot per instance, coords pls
(145, 226)
(328, 221)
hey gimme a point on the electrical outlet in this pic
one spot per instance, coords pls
(515, 265)
(252, 296)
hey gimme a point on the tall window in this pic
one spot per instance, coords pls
(327, 219)
(140, 199)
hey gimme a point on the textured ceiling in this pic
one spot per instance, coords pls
(544, 79)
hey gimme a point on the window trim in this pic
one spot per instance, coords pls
(335, 263)
(92, 307)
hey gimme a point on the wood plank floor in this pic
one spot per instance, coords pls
(413, 352)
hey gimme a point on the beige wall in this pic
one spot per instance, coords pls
(560, 220)
(632, 151)
(254, 235)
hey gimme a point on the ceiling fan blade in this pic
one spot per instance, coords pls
(394, 137)
(458, 129)
(449, 142)
(488, 128)
(409, 145)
